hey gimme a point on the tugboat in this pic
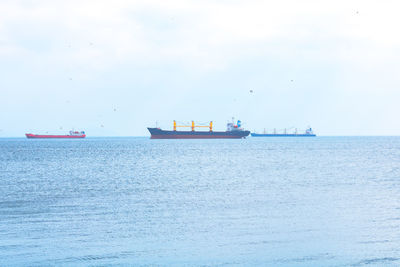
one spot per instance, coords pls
(233, 131)
(72, 134)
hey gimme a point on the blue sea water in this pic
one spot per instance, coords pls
(324, 201)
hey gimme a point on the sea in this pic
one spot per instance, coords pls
(323, 201)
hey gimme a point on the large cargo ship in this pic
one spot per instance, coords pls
(233, 131)
(308, 133)
(72, 134)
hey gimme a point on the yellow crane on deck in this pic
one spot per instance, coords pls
(194, 126)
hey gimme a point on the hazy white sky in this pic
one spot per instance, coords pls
(116, 67)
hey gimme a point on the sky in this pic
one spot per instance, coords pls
(113, 68)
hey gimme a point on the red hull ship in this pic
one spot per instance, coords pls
(72, 134)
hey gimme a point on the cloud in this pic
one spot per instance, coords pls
(204, 34)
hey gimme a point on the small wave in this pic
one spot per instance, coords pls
(374, 242)
(376, 261)
(306, 258)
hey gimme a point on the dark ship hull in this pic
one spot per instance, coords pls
(157, 133)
